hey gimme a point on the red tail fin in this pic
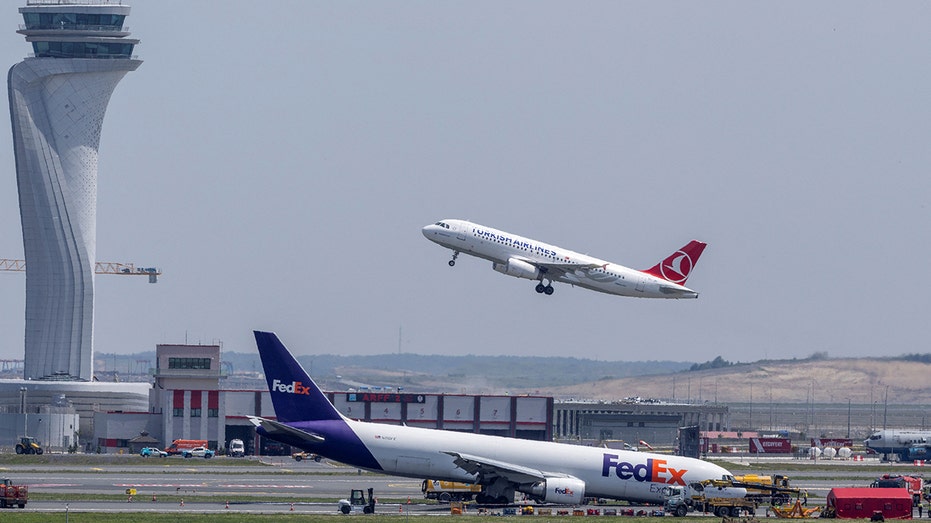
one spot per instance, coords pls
(678, 265)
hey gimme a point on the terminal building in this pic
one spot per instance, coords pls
(633, 420)
(188, 401)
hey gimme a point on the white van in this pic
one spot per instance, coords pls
(236, 448)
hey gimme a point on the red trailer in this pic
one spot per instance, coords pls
(862, 503)
(770, 446)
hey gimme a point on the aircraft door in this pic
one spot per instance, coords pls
(461, 232)
(641, 283)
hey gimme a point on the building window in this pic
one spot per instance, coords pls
(213, 413)
(176, 412)
(195, 413)
(189, 363)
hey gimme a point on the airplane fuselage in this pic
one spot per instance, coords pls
(420, 453)
(531, 259)
(897, 441)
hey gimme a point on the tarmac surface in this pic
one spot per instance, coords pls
(285, 486)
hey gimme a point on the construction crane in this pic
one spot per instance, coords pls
(125, 269)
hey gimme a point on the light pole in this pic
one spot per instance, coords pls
(22, 409)
(848, 418)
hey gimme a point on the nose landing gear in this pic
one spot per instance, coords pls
(452, 262)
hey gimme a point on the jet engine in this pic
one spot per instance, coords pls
(567, 491)
(518, 269)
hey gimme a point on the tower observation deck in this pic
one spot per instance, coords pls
(58, 99)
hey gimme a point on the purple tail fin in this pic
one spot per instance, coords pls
(295, 396)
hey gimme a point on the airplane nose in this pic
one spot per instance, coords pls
(426, 230)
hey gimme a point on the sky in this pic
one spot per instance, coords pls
(278, 161)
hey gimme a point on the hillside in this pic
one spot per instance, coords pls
(816, 380)
(863, 381)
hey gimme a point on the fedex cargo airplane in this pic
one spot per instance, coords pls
(547, 471)
(533, 260)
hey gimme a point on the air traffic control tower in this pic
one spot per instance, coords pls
(58, 98)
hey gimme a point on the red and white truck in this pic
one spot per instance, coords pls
(914, 485)
(178, 446)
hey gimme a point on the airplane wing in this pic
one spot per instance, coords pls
(488, 469)
(280, 431)
(562, 268)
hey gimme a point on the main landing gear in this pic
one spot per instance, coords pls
(544, 289)
(452, 262)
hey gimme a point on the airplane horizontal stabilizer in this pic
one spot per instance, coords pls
(278, 430)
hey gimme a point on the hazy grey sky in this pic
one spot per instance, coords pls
(277, 161)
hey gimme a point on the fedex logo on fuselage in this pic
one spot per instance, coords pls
(653, 471)
(295, 387)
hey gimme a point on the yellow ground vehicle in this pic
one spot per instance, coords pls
(28, 445)
(300, 456)
(774, 489)
(448, 491)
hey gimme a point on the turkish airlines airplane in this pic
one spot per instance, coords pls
(547, 471)
(906, 443)
(525, 258)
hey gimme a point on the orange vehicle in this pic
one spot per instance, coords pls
(178, 446)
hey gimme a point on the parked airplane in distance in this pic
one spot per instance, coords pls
(533, 260)
(547, 471)
(907, 444)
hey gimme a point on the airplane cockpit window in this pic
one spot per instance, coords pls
(443, 225)
(875, 437)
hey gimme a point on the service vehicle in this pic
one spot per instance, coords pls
(449, 491)
(719, 497)
(301, 456)
(198, 452)
(774, 489)
(358, 503)
(914, 484)
(236, 449)
(145, 452)
(28, 445)
(13, 495)
(178, 446)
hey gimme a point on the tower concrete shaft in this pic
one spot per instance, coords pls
(58, 99)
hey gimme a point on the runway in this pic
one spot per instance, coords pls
(272, 486)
